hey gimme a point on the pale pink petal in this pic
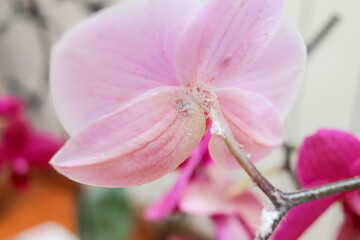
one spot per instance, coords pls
(169, 202)
(232, 228)
(116, 55)
(249, 208)
(140, 142)
(332, 151)
(209, 195)
(225, 39)
(254, 122)
(298, 219)
(276, 74)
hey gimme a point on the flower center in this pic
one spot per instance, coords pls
(204, 95)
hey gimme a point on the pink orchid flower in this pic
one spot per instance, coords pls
(235, 216)
(327, 156)
(135, 84)
(22, 147)
(169, 203)
(202, 189)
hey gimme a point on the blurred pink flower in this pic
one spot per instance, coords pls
(204, 190)
(134, 85)
(22, 147)
(235, 216)
(327, 156)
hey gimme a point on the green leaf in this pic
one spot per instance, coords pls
(104, 214)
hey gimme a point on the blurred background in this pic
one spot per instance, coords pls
(47, 206)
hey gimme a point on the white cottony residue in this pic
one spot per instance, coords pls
(204, 95)
(248, 156)
(216, 129)
(268, 217)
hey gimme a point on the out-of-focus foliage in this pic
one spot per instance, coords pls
(104, 214)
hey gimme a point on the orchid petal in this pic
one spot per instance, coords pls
(299, 218)
(348, 232)
(254, 122)
(355, 167)
(169, 202)
(140, 142)
(350, 229)
(210, 196)
(206, 195)
(15, 136)
(20, 166)
(20, 172)
(225, 38)
(40, 149)
(280, 64)
(117, 54)
(232, 228)
(10, 107)
(249, 208)
(332, 151)
(353, 201)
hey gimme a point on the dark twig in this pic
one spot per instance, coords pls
(288, 151)
(329, 26)
(36, 13)
(95, 6)
(39, 18)
(12, 18)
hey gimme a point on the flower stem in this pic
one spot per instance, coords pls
(282, 201)
(304, 196)
(236, 149)
(269, 190)
(288, 150)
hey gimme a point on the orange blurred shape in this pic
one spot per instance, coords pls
(48, 197)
